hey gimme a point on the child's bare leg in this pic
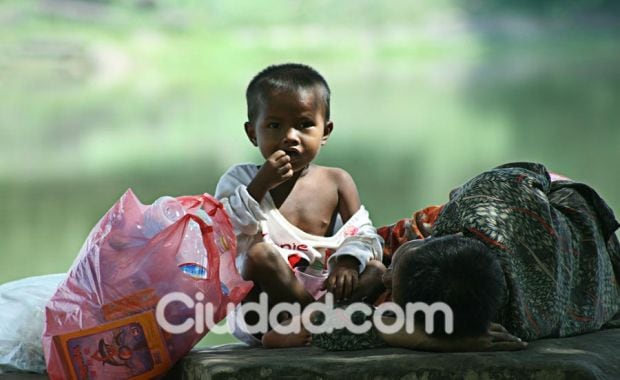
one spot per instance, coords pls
(266, 268)
(271, 274)
(370, 284)
(252, 318)
(273, 339)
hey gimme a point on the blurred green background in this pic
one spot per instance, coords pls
(100, 96)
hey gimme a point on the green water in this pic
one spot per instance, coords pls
(98, 97)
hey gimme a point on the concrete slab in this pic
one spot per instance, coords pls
(590, 356)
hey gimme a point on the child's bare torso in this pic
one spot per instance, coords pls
(311, 202)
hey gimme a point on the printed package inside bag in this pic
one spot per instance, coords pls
(108, 318)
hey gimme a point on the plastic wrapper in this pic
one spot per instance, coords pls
(105, 319)
(22, 307)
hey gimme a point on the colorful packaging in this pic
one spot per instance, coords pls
(103, 320)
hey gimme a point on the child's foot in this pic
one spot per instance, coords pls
(273, 339)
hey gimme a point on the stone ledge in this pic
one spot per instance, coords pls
(590, 356)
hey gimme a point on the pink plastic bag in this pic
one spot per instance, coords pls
(102, 323)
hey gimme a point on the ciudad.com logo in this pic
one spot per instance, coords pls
(334, 317)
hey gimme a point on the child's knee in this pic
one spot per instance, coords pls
(375, 268)
(262, 257)
(370, 284)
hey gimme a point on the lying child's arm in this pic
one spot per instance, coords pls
(497, 338)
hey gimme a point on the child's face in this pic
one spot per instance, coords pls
(394, 275)
(390, 277)
(292, 121)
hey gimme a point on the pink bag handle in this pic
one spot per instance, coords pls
(213, 257)
(215, 210)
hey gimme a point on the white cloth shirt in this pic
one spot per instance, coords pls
(255, 222)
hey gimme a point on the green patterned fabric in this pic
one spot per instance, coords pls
(556, 243)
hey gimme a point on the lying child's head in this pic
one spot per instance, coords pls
(288, 110)
(459, 271)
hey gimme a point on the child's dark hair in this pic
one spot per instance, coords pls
(459, 271)
(287, 76)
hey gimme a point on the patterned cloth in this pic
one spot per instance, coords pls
(418, 226)
(556, 244)
(555, 240)
(340, 339)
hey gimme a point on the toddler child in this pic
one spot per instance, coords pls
(288, 213)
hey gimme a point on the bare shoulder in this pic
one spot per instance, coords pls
(348, 197)
(338, 176)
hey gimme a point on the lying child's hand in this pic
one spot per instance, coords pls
(342, 280)
(497, 338)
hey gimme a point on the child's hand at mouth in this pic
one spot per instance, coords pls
(276, 170)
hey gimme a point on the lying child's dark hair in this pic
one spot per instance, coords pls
(460, 271)
(287, 76)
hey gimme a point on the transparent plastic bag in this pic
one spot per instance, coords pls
(22, 307)
(102, 323)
